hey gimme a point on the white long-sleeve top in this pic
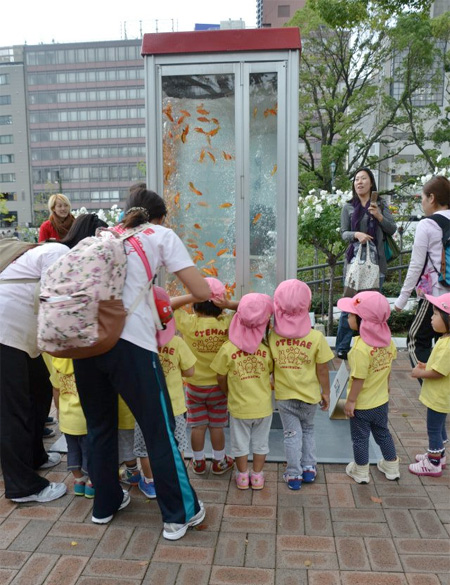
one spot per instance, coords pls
(427, 239)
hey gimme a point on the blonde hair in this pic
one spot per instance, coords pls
(54, 200)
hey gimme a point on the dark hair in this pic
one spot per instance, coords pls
(371, 177)
(445, 317)
(439, 186)
(207, 308)
(149, 206)
(84, 226)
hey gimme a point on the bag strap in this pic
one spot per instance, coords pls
(444, 224)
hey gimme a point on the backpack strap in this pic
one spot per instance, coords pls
(444, 224)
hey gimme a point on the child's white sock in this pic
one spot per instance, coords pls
(82, 479)
(219, 455)
(198, 455)
(148, 479)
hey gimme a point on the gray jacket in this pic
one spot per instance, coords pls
(387, 226)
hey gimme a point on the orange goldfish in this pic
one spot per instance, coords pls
(202, 155)
(191, 240)
(227, 156)
(210, 244)
(211, 156)
(234, 252)
(185, 113)
(199, 130)
(210, 271)
(180, 120)
(270, 111)
(213, 132)
(215, 120)
(187, 207)
(274, 170)
(168, 112)
(193, 246)
(203, 119)
(223, 251)
(210, 262)
(185, 133)
(201, 110)
(193, 189)
(176, 199)
(203, 204)
(258, 276)
(225, 205)
(257, 218)
(220, 241)
(197, 226)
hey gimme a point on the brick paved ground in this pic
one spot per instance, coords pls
(329, 533)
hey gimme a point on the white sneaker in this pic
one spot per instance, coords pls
(423, 456)
(174, 531)
(360, 473)
(52, 492)
(391, 469)
(126, 500)
(53, 459)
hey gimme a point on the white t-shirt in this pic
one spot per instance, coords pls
(162, 248)
(18, 323)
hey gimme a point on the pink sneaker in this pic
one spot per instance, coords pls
(257, 480)
(242, 480)
(425, 467)
(423, 456)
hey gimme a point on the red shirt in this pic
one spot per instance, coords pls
(47, 231)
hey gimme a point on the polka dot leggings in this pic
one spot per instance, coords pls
(373, 421)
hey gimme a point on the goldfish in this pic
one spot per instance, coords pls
(199, 130)
(213, 132)
(199, 255)
(270, 111)
(202, 155)
(193, 246)
(187, 207)
(176, 199)
(220, 241)
(227, 156)
(257, 218)
(201, 110)
(274, 170)
(223, 251)
(234, 252)
(225, 205)
(197, 226)
(203, 119)
(258, 276)
(194, 190)
(169, 134)
(180, 120)
(210, 244)
(168, 112)
(210, 271)
(184, 133)
(211, 156)
(185, 113)
(211, 262)
(203, 204)
(255, 111)
(191, 240)
(215, 120)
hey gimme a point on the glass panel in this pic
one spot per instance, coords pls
(263, 181)
(199, 169)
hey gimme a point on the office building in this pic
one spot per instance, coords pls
(275, 13)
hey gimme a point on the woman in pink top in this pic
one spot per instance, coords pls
(424, 266)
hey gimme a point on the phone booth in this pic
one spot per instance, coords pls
(222, 149)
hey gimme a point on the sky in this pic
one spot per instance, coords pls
(47, 21)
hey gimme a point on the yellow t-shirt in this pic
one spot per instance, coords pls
(71, 416)
(248, 376)
(435, 392)
(174, 357)
(295, 360)
(204, 337)
(373, 365)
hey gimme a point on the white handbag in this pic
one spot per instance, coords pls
(363, 272)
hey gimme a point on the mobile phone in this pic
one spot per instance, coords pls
(374, 197)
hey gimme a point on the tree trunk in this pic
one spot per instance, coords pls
(330, 298)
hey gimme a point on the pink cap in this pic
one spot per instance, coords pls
(442, 302)
(292, 300)
(162, 301)
(217, 288)
(374, 310)
(249, 324)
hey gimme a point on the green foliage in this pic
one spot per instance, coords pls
(400, 322)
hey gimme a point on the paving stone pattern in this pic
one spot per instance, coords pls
(331, 532)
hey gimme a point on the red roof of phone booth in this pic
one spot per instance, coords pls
(220, 41)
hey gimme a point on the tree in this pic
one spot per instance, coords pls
(346, 106)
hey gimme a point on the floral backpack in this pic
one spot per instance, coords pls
(81, 312)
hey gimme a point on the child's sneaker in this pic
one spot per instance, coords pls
(79, 487)
(242, 480)
(130, 477)
(391, 469)
(309, 474)
(220, 467)
(257, 480)
(425, 467)
(147, 488)
(199, 466)
(360, 473)
(423, 456)
(89, 491)
(293, 483)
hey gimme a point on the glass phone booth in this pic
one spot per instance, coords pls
(222, 148)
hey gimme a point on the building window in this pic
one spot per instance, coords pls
(5, 120)
(4, 78)
(284, 11)
(6, 139)
(5, 100)
(7, 177)
(9, 196)
(6, 158)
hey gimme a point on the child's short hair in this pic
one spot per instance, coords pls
(207, 308)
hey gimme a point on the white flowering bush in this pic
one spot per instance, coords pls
(110, 216)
